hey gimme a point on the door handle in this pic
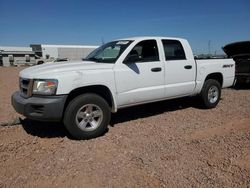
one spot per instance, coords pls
(156, 69)
(188, 67)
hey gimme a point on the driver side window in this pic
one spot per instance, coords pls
(147, 51)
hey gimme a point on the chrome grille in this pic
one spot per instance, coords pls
(25, 87)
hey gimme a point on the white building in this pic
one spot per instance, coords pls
(72, 52)
(40, 53)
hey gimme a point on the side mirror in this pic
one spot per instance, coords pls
(131, 58)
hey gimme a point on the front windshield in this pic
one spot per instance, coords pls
(108, 53)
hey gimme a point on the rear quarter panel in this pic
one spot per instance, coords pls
(205, 67)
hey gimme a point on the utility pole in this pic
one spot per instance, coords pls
(103, 41)
(209, 47)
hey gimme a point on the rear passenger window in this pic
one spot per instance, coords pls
(173, 50)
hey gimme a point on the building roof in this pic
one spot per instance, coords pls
(66, 46)
(17, 52)
(15, 48)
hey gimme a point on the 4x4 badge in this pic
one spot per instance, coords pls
(227, 66)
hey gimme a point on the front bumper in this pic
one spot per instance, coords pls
(42, 108)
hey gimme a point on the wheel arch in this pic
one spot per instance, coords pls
(100, 90)
(215, 76)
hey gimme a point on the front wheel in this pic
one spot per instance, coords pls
(87, 116)
(211, 93)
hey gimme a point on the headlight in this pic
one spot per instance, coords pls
(44, 87)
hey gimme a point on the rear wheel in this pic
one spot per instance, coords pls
(87, 116)
(211, 93)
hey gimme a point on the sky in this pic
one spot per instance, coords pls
(80, 22)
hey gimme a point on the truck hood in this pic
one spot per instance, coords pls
(58, 67)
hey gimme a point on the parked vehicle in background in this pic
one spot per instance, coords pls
(40, 61)
(240, 52)
(58, 60)
(119, 74)
(16, 56)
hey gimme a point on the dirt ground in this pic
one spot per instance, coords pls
(166, 144)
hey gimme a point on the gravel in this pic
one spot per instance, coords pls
(173, 143)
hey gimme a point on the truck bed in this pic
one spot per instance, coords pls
(224, 66)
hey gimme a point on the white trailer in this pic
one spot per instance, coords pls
(47, 52)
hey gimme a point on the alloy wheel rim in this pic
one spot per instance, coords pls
(213, 94)
(89, 117)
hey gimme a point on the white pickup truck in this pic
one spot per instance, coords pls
(119, 74)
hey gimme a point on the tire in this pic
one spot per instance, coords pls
(87, 116)
(211, 93)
